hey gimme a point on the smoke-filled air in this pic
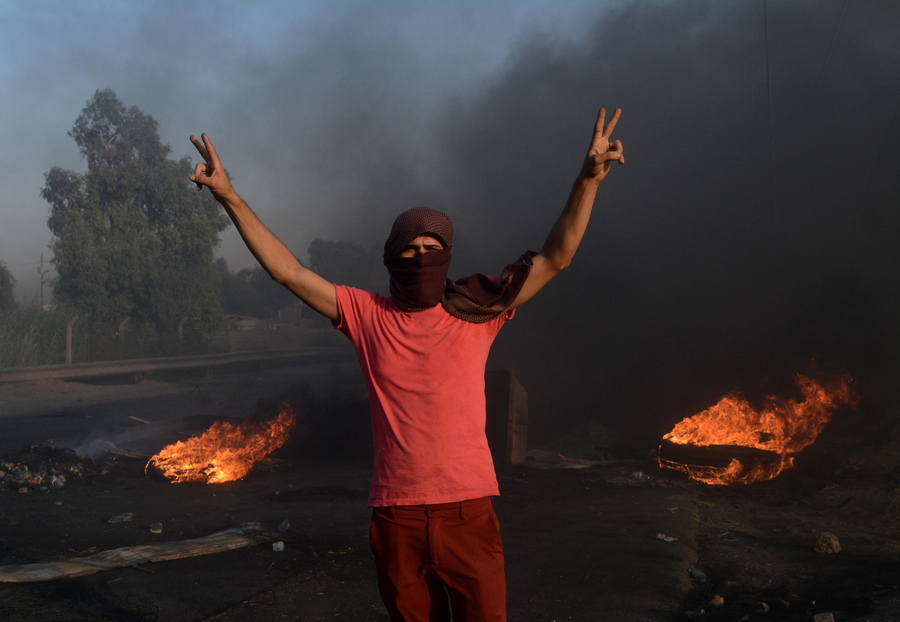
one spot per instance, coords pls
(754, 228)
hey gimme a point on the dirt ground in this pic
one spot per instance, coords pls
(821, 538)
(612, 542)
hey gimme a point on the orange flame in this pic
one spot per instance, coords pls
(782, 426)
(224, 452)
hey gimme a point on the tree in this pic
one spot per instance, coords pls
(7, 289)
(133, 238)
(252, 292)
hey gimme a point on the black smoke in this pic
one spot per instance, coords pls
(753, 228)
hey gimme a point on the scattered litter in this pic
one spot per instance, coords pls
(665, 538)
(827, 542)
(278, 547)
(717, 601)
(762, 607)
(155, 527)
(284, 526)
(125, 517)
(45, 468)
(697, 575)
(824, 617)
(696, 614)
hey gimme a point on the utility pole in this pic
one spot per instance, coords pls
(42, 272)
(69, 331)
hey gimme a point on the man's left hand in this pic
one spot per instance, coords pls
(603, 150)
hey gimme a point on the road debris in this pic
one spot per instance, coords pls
(827, 542)
(665, 538)
(247, 535)
(44, 468)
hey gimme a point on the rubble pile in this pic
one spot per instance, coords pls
(44, 468)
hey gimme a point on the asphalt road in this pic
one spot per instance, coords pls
(581, 544)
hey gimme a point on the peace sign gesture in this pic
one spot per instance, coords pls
(603, 150)
(210, 173)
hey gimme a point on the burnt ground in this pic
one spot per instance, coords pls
(598, 543)
(768, 548)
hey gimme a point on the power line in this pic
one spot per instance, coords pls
(30, 263)
(769, 97)
(835, 35)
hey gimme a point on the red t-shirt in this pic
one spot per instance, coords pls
(424, 372)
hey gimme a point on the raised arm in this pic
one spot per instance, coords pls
(565, 236)
(271, 253)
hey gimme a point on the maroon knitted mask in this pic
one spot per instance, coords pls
(418, 282)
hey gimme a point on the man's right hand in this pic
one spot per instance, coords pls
(270, 252)
(210, 173)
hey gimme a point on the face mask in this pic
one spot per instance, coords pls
(418, 282)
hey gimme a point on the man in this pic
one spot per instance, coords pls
(423, 353)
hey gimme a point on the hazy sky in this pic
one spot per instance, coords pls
(754, 226)
(262, 78)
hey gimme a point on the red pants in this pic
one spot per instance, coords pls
(434, 559)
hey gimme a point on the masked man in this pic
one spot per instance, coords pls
(423, 353)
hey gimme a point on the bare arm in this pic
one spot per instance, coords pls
(271, 253)
(564, 238)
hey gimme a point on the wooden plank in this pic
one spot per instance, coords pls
(247, 535)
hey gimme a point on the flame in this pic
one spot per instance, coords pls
(224, 452)
(781, 426)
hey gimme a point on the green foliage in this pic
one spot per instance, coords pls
(31, 336)
(7, 289)
(252, 292)
(133, 238)
(347, 263)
